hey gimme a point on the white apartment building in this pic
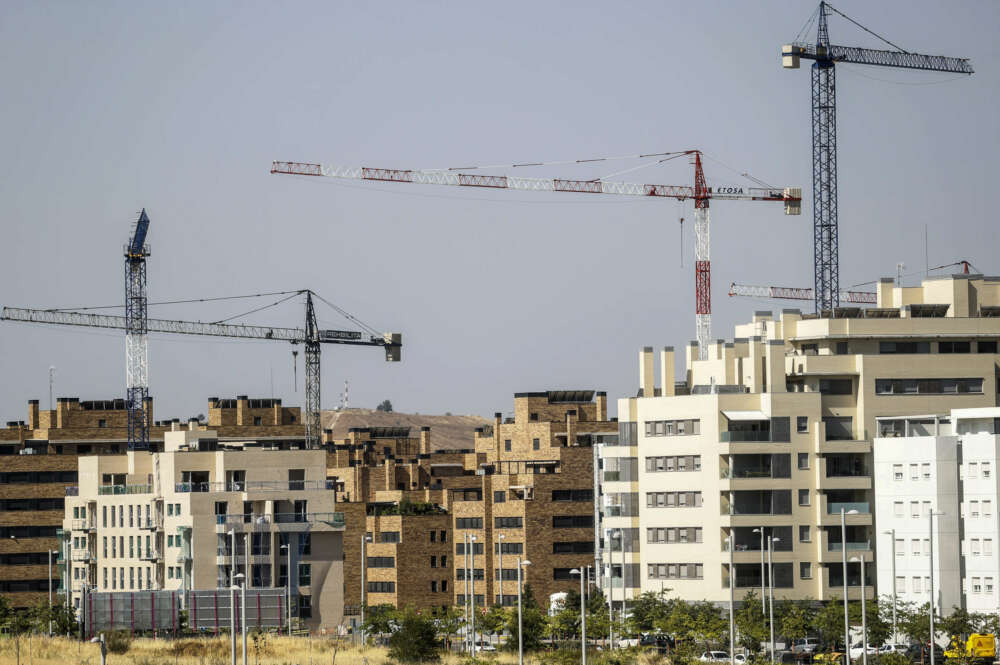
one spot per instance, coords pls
(773, 432)
(169, 521)
(946, 464)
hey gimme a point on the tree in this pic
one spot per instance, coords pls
(385, 406)
(535, 625)
(878, 629)
(830, 622)
(694, 623)
(751, 623)
(62, 617)
(796, 619)
(493, 620)
(913, 621)
(415, 639)
(17, 625)
(646, 610)
(449, 620)
(380, 619)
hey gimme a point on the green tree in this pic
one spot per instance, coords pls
(913, 622)
(960, 623)
(16, 625)
(830, 622)
(535, 626)
(449, 620)
(878, 629)
(698, 624)
(752, 624)
(492, 621)
(646, 610)
(795, 620)
(415, 638)
(380, 619)
(385, 406)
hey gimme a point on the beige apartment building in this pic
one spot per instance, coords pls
(169, 520)
(773, 433)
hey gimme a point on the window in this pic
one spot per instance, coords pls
(915, 546)
(897, 471)
(572, 521)
(477, 548)
(841, 348)
(388, 537)
(900, 584)
(444, 536)
(914, 472)
(434, 586)
(444, 586)
(803, 497)
(987, 347)
(170, 572)
(508, 522)
(977, 585)
(803, 461)
(973, 469)
(925, 470)
(433, 535)
(904, 347)
(105, 547)
(673, 463)
(954, 347)
(112, 517)
(170, 541)
(900, 547)
(673, 427)
(434, 562)
(130, 508)
(916, 585)
(170, 511)
(586, 495)
(987, 508)
(508, 548)
(374, 562)
(929, 386)
(444, 560)
(573, 547)
(804, 534)
(506, 445)
(987, 547)
(974, 543)
(305, 573)
(468, 522)
(836, 386)
(305, 601)
(915, 509)
(802, 424)
(805, 570)
(535, 444)
(973, 509)
(672, 499)
(927, 508)
(897, 509)
(499, 496)
(985, 467)
(988, 584)
(684, 571)
(659, 535)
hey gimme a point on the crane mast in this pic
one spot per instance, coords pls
(136, 336)
(700, 193)
(826, 244)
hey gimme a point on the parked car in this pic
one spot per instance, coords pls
(485, 646)
(714, 657)
(892, 648)
(857, 648)
(806, 645)
(919, 653)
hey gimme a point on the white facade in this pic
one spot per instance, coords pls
(946, 464)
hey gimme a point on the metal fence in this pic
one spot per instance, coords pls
(205, 611)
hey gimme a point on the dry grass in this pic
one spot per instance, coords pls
(212, 651)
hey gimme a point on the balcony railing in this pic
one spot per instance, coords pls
(151, 555)
(862, 507)
(106, 490)
(851, 547)
(82, 555)
(333, 519)
(256, 486)
(83, 525)
(737, 436)
(862, 473)
(151, 524)
(751, 474)
(73, 491)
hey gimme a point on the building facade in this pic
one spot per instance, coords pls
(40, 470)
(170, 521)
(945, 464)
(772, 434)
(523, 487)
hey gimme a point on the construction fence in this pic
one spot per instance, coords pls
(211, 611)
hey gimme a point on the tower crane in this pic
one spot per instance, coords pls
(826, 258)
(699, 192)
(137, 325)
(794, 293)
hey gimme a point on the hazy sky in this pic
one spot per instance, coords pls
(180, 107)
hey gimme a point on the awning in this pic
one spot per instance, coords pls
(744, 415)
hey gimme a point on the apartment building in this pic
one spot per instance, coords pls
(523, 486)
(170, 520)
(945, 463)
(771, 434)
(40, 469)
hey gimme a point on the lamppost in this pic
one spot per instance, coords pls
(732, 583)
(472, 595)
(467, 576)
(51, 552)
(892, 535)
(288, 586)
(930, 526)
(364, 567)
(843, 550)
(232, 595)
(520, 622)
(864, 616)
(770, 584)
(581, 571)
(763, 577)
(241, 582)
(611, 586)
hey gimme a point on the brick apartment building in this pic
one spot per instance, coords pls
(524, 484)
(39, 460)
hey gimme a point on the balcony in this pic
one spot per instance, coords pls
(83, 555)
(116, 490)
(83, 525)
(738, 436)
(73, 491)
(860, 507)
(151, 524)
(151, 555)
(851, 547)
(256, 486)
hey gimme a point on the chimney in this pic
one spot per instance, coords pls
(601, 399)
(425, 440)
(175, 426)
(646, 371)
(32, 414)
(667, 371)
(192, 424)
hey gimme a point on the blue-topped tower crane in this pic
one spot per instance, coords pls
(826, 258)
(136, 334)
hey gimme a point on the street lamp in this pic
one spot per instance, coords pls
(232, 595)
(581, 571)
(892, 536)
(520, 623)
(732, 583)
(930, 526)
(500, 539)
(288, 586)
(763, 592)
(364, 567)
(843, 551)
(241, 582)
(472, 595)
(51, 552)
(864, 617)
(770, 579)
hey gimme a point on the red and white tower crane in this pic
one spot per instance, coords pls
(700, 193)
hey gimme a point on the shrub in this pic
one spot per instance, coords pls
(118, 641)
(415, 640)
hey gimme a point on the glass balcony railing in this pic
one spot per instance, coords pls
(851, 547)
(862, 507)
(106, 490)
(740, 436)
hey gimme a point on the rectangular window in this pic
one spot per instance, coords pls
(954, 347)
(468, 522)
(388, 536)
(433, 535)
(572, 521)
(535, 444)
(900, 547)
(443, 536)
(915, 546)
(112, 517)
(904, 347)
(914, 472)
(987, 547)
(971, 385)
(130, 523)
(803, 497)
(803, 461)
(434, 562)
(305, 600)
(585, 495)
(984, 346)
(131, 548)
(973, 469)
(434, 586)
(987, 508)
(499, 496)
(973, 509)
(305, 574)
(977, 585)
(374, 562)
(985, 467)
(506, 445)
(508, 522)
(805, 570)
(897, 471)
(477, 548)
(508, 548)
(975, 547)
(916, 585)
(988, 584)
(836, 386)
(915, 509)
(897, 509)
(804, 534)
(104, 517)
(900, 584)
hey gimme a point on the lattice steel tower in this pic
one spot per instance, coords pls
(136, 333)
